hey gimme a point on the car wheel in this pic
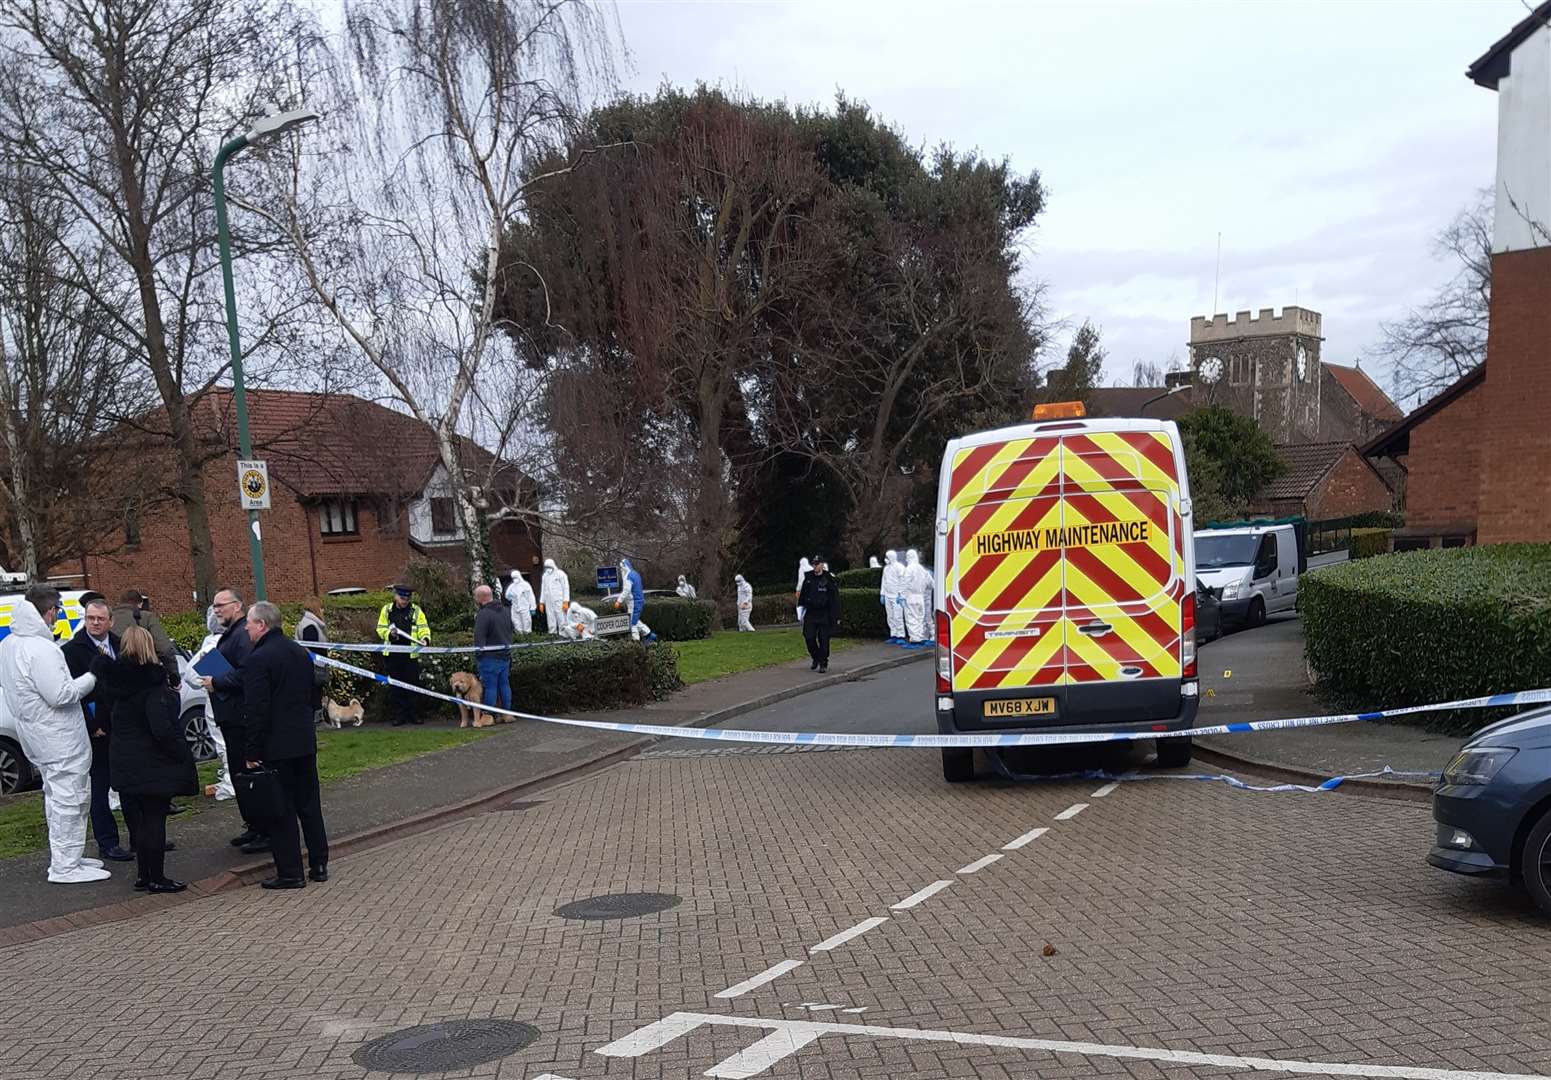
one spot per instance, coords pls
(1174, 753)
(15, 773)
(1257, 612)
(196, 730)
(958, 765)
(1535, 863)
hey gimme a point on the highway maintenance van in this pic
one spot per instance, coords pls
(1066, 582)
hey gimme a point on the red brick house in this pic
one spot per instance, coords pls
(1324, 480)
(356, 490)
(1478, 456)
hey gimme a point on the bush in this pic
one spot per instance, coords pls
(674, 618)
(778, 609)
(862, 614)
(1427, 626)
(441, 595)
(186, 628)
(1369, 542)
(777, 588)
(865, 578)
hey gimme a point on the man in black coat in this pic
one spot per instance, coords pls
(95, 638)
(277, 704)
(226, 703)
(820, 601)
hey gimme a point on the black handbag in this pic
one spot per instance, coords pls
(258, 795)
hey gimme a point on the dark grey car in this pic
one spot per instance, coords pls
(1493, 806)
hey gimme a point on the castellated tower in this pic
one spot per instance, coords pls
(1266, 367)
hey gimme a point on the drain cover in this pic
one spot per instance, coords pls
(452, 1044)
(618, 905)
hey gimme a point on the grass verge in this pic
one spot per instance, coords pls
(341, 754)
(729, 653)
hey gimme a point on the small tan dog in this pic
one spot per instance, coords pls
(340, 715)
(466, 687)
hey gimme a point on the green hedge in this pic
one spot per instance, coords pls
(1427, 626)
(771, 610)
(674, 618)
(1367, 543)
(865, 578)
(862, 614)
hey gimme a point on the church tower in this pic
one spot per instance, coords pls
(1265, 367)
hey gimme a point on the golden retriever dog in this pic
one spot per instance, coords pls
(340, 715)
(466, 687)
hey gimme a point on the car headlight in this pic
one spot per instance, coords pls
(1230, 591)
(1476, 767)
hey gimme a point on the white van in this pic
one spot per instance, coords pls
(1254, 568)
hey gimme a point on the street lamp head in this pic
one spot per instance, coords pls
(274, 123)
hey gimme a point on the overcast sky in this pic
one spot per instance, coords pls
(1327, 142)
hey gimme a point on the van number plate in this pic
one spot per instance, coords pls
(1005, 707)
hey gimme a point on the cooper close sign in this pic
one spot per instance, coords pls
(253, 485)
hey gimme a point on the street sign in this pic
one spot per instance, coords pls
(608, 579)
(253, 484)
(610, 625)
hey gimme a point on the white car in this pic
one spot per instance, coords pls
(17, 773)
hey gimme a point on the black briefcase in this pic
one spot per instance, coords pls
(258, 795)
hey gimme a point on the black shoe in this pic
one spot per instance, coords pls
(813, 666)
(175, 809)
(141, 884)
(258, 847)
(169, 846)
(117, 854)
(319, 874)
(167, 886)
(398, 723)
(823, 669)
(247, 837)
(283, 883)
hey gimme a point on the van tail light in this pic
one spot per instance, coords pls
(944, 655)
(1187, 642)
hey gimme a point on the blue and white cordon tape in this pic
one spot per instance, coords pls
(432, 650)
(990, 740)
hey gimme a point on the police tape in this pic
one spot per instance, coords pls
(1386, 773)
(989, 740)
(431, 650)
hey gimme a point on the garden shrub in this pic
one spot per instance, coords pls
(673, 618)
(1369, 542)
(1427, 626)
(865, 578)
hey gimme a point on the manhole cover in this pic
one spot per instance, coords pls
(452, 1044)
(618, 905)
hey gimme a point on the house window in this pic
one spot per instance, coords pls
(132, 528)
(336, 517)
(443, 521)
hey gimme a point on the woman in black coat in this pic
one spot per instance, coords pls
(149, 760)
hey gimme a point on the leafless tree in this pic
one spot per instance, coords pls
(395, 211)
(1445, 338)
(64, 382)
(1146, 373)
(121, 103)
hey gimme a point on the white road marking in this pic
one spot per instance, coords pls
(822, 1008)
(925, 894)
(788, 1036)
(1031, 835)
(862, 1009)
(780, 1043)
(551, 1076)
(1071, 811)
(846, 935)
(770, 974)
(1105, 790)
(979, 864)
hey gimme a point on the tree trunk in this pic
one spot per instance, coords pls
(711, 501)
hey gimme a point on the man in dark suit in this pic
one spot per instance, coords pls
(94, 637)
(277, 703)
(226, 702)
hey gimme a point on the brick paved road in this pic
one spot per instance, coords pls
(1184, 917)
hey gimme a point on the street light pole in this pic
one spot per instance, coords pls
(267, 126)
(1171, 391)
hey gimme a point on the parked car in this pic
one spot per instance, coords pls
(17, 773)
(1255, 570)
(1493, 806)
(1208, 613)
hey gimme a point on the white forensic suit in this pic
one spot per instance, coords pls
(519, 594)
(45, 702)
(745, 604)
(223, 784)
(685, 589)
(804, 568)
(892, 590)
(916, 585)
(554, 596)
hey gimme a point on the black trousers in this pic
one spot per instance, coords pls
(236, 737)
(104, 827)
(301, 801)
(146, 816)
(403, 705)
(817, 632)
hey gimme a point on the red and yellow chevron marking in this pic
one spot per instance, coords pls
(1054, 533)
